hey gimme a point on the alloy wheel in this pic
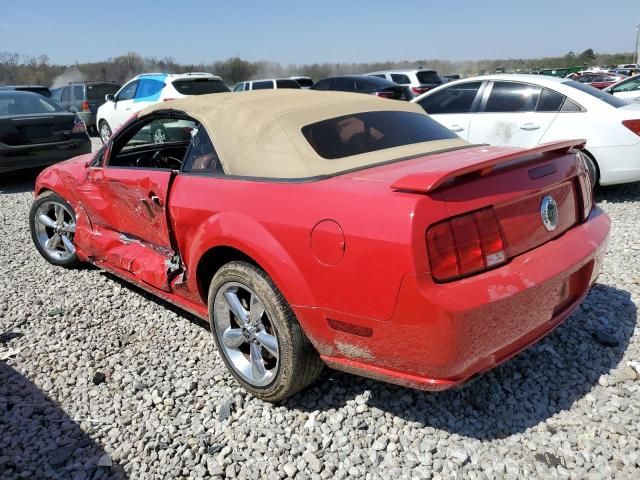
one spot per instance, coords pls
(246, 333)
(55, 226)
(105, 133)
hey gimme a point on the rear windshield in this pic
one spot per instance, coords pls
(26, 104)
(98, 91)
(262, 85)
(39, 90)
(304, 82)
(599, 94)
(375, 82)
(287, 83)
(428, 76)
(371, 131)
(200, 86)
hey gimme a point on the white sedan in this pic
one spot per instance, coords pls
(527, 110)
(627, 89)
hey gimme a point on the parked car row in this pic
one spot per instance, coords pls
(528, 110)
(509, 110)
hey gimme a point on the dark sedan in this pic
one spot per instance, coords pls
(41, 89)
(363, 84)
(34, 131)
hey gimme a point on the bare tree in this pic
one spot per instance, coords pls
(9, 63)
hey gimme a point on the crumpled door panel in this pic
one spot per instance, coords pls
(149, 263)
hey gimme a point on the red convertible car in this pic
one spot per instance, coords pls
(328, 228)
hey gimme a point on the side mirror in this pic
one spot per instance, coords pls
(110, 98)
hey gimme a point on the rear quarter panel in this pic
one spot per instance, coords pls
(272, 223)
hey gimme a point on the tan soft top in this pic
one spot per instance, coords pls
(258, 133)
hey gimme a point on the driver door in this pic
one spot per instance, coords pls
(133, 233)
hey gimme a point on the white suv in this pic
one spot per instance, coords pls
(417, 81)
(147, 89)
(266, 84)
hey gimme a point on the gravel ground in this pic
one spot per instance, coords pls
(100, 380)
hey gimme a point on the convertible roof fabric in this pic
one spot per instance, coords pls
(258, 133)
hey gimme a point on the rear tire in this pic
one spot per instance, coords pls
(286, 360)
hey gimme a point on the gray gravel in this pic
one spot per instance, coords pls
(99, 380)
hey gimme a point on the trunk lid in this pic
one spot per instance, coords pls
(30, 129)
(517, 185)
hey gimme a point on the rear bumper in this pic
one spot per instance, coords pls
(31, 156)
(618, 164)
(442, 335)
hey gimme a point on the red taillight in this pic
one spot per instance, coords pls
(85, 106)
(167, 99)
(633, 125)
(78, 126)
(465, 245)
(419, 90)
(383, 94)
(586, 187)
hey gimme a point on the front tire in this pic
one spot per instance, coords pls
(258, 335)
(52, 223)
(105, 132)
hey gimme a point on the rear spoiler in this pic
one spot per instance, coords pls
(441, 173)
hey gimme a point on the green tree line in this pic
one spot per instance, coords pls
(20, 69)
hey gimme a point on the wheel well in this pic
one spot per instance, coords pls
(211, 262)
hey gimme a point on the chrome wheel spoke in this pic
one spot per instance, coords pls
(68, 244)
(268, 342)
(257, 362)
(233, 337)
(59, 212)
(46, 221)
(256, 310)
(53, 242)
(69, 227)
(235, 305)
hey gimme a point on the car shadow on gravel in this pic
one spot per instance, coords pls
(18, 182)
(39, 440)
(628, 192)
(157, 300)
(540, 382)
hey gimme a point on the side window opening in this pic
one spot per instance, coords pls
(512, 97)
(128, 92)
(78, 92)
(202, 156)
(455, 99)
(159, 142)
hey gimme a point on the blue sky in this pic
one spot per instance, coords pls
(315, 31)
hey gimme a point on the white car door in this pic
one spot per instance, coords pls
(122, 106)
(508, 115)
(628, 90)
(454, 106)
